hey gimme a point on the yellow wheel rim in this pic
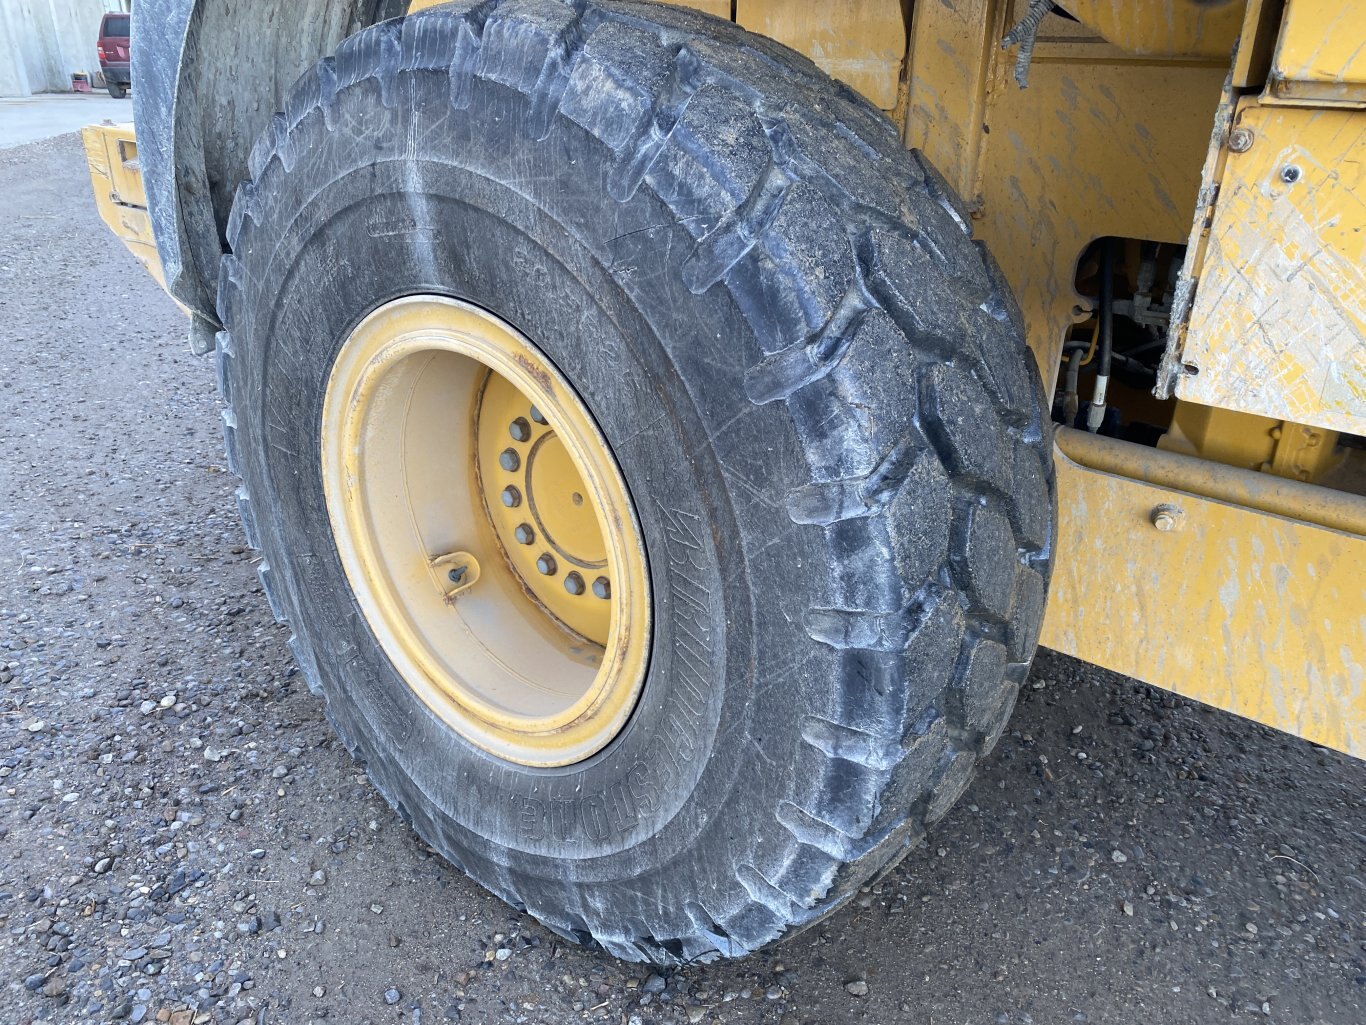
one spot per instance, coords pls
(485, 530)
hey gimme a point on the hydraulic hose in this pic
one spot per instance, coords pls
(1096, 413)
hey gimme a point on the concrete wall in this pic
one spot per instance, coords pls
(43, 41)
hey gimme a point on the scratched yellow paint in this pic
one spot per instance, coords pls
(1164, 28)
(1278, 323)
(116, 178)
(1321, 54)
(951, 55)
(860, 42)
(1254, 613)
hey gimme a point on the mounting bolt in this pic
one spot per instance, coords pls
(1290, 174)
(546, 564)
(524, 534)
(537, 415)
(519, 429)
(1240, 140)
(574, 584)
(509, 460)
(1168, 517)
(602, 588)
(457, 574)
(512, 498)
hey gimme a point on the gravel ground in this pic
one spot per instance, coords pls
(181, 838)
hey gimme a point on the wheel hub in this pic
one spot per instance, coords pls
(537, 501)
(485, 530)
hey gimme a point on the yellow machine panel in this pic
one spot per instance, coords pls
(1321, 58)
(112, 155)
(1101, 143)
(1296, 451)
(1163, 28)
(1233, 603)
(1278, 322)
(860, 42)
(1109, 139)
(1071, 132)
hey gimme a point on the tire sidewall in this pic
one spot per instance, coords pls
(386, 227)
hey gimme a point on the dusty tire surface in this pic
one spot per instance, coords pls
(815, 384)
(117, 91)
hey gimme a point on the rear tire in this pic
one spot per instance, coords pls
(116, 90)
(815, 385)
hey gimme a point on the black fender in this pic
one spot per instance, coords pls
(207, 77)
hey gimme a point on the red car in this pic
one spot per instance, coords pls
(112, 49)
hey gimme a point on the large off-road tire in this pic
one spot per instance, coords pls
(814, 383)
(117, 90)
